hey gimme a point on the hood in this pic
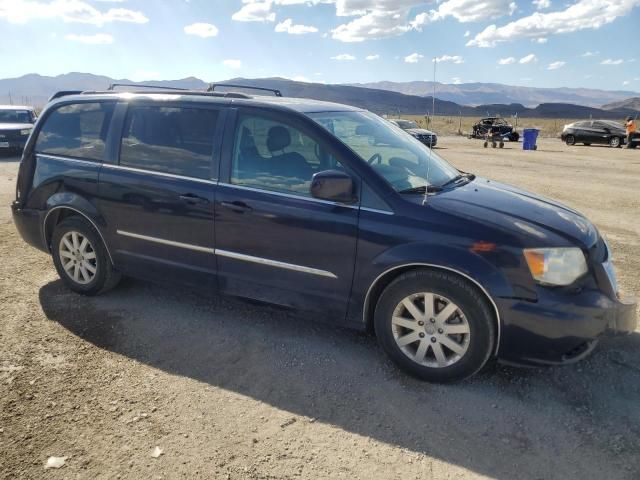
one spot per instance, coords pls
(419, 131)
(15, 126)
(535, 217)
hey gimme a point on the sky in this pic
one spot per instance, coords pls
(541, 43)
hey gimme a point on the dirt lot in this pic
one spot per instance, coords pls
(231, 390)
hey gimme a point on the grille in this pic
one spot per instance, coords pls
(9, 135)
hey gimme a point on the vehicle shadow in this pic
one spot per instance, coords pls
(571, 422)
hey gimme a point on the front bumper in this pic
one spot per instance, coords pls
(13, 144)
(561, 327)
(428, 141)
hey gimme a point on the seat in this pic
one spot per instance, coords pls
(285, 164)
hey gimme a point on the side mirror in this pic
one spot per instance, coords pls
(333, 185)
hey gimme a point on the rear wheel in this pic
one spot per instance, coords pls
(615, 142)
(570, 140)
(81, 259)
(435, 326)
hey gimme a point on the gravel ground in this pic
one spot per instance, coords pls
(231, 390)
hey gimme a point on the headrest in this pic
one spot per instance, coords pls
(278, 138)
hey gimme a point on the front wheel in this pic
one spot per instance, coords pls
(615, 142)
(81, 258)
(570, 140)
(435, 325)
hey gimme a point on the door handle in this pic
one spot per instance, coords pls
(192, 199)
(237, 206)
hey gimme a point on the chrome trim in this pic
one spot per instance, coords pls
(44, 227)
(365, 310)
(69, 159)
(172, 243)
(287, 195)
(274, 263)
(162, 174)
(375, 210)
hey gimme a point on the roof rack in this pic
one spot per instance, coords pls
(64, 93)
(213, 86)
(114, 85)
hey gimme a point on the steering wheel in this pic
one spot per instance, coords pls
(375, 158)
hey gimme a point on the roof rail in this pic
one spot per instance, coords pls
(114, 85)
(213, 86)
(64, 93)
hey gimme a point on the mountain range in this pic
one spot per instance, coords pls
(382, 97)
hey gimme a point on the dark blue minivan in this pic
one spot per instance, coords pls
(321, 207)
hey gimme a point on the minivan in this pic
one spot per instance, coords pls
(320, 207)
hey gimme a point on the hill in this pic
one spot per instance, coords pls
(628, 104)
(36, 89)
(480, 93)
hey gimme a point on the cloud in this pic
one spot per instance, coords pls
(343, 57)
(72, 11)
(626, 82)
(203, 30)
(467, 34)
(255, 12)
(589, 54)
(528, 59)
(413, 58)
(542, 4)
(450, 58)
(540, 40)
(610, 61)
(97, 39)
(456, 80)
(287, 26)
(372, 57)
(232, 63)
(582, 15)
(466, 11)
(556, 65)
(506, 61)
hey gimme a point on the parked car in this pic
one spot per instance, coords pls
(16, 123)
(320, 207)
(495, 126)
(429, 138)
(603, 132)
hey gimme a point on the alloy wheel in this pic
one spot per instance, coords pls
(431, 330)
(614, 142)
(78, 258)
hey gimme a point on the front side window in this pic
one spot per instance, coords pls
(172, 140)
(78, 130)
(401, 159)
(275, 156)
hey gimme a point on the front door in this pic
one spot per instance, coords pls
(274, 242)
(158, 201)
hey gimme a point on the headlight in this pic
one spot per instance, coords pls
(556, 266)
(26, 132)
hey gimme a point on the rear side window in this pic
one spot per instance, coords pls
(169, 139)
(78, 130)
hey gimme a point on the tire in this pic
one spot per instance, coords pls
(486, 144)
(514, 137)
(570, 140)
(615, 142)
(67, 246)
(493, 144)
(501, 145)
(393, 322)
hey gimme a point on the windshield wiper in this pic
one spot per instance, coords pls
(422, 189)
(463, 176)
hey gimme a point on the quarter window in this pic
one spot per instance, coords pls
(275, 156)
(78, 130)
(169, 139)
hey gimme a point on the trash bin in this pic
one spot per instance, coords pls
(529, 137)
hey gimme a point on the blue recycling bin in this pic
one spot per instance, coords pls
(529, 138)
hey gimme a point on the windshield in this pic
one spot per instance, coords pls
(15, 116)
(406, 124)
(402, 160)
